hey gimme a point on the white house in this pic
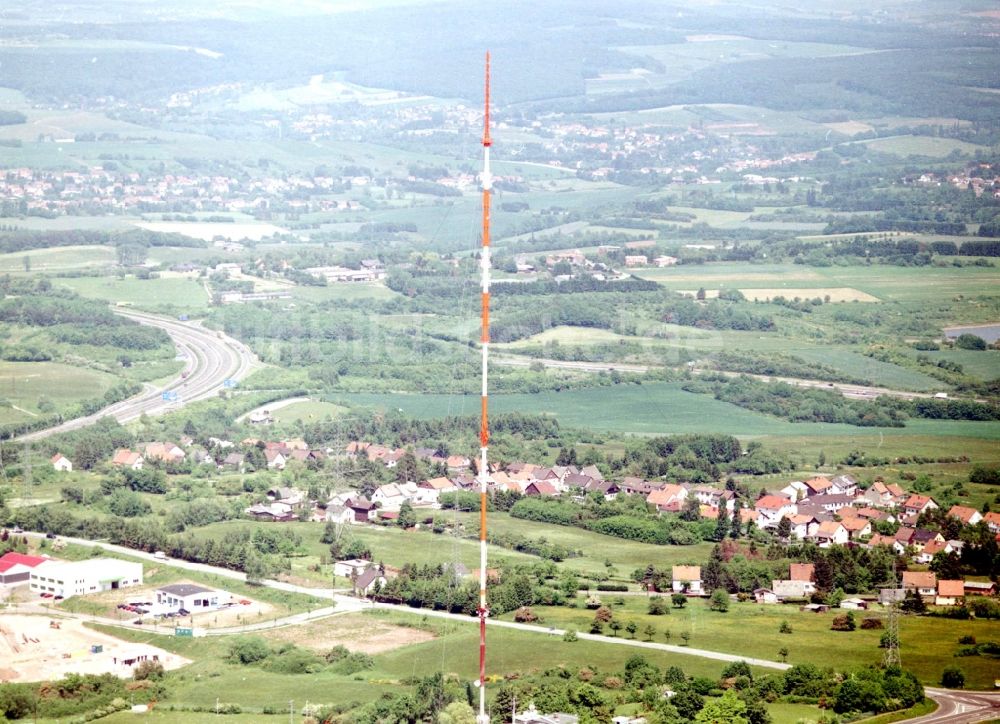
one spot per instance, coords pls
(772, 508)
(390, 496)
(190, 597)
(82, 577)
(345, 569)
(831, 532)
(686, 579)
(795, 490)
(62, 463)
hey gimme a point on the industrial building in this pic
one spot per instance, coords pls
(17, 567)
(80, 578)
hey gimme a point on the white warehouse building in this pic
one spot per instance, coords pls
(79, 578)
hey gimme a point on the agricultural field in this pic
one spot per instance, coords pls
(183, 293)
(29, 388)
(308, 411)
(59, 259)
(906, 146)
(655, 408)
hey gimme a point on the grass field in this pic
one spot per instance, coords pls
(923, 146)
(57, 259)
(23, 383)
(151, 294)
(927, 645)
(657, 408)
(307, 412)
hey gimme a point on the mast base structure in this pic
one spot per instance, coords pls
(484, 430)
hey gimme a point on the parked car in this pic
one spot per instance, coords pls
(51, 536)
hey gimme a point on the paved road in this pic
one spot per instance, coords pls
(211, 358)
(509, 361)
(272, 406)
(961, 707)
(344, 604)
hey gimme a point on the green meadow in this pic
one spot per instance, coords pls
(23, 385)
(183, 293)
(656, 408)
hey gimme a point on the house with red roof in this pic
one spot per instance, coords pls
(772, 508)
(124, 458)
(917, 504)
(993, 521)
(923, 582)
(950, 593)
(61, 463)
(968, 516)
(668, 497)
(831, 532)
(541, 487)
(17, 567)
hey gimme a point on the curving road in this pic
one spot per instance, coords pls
(960, 707)
(212, 358)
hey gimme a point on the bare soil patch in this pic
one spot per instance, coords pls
(356, 633)
(32, 649)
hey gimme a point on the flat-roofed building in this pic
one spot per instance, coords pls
(80, 578)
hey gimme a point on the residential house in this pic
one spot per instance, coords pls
(802, 572)
(843, 485)
(389, 496)
(686, 579)
(950, 593)
(234, 461)
(189, 597)
(273, 512)
(124, 458)
(917, 504)
(166, 452)
(532, 716)
(340, 514)
(714, 497)
(607, 488)
(804, 526)
(351, 567)
(765, 595)
(818, 485)
(968, 516)
(831, 532)
(857, 527)
(784, 589)
(878, 494)
(795, 490)
(276, 460)
(61, 463)
(367, 582)
(577, 481)
(832, 502)
(993, 521)
(592, 471)
(439, 485)
(457, 462)
(542, 488)
(669, 498)
(363, 509)
(772, 508)
(923, 582)
(294, 499)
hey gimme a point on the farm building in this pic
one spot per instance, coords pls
(82, 577)
(190, 597)
(17, 567)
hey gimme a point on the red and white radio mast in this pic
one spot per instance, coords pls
(484, 430)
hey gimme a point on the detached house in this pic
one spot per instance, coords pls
(772, 508)
(917, 504)
(61, 463)
(686, 579)
(669, 498)
(968, 516)
(831, 532)
(124, 458)
(923, 582)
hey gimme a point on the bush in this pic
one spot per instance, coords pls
(525, 615)
(719, 600)
(843, 623)
(247, 650)
(953, 678)
(569, 636)
(658, 606)
(869, 623)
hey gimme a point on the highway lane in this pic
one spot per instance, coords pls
(212, 358)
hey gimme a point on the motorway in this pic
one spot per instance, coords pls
(212, 358)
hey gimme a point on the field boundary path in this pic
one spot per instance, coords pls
(213, 357)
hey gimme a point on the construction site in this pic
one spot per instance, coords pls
(43, 648)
